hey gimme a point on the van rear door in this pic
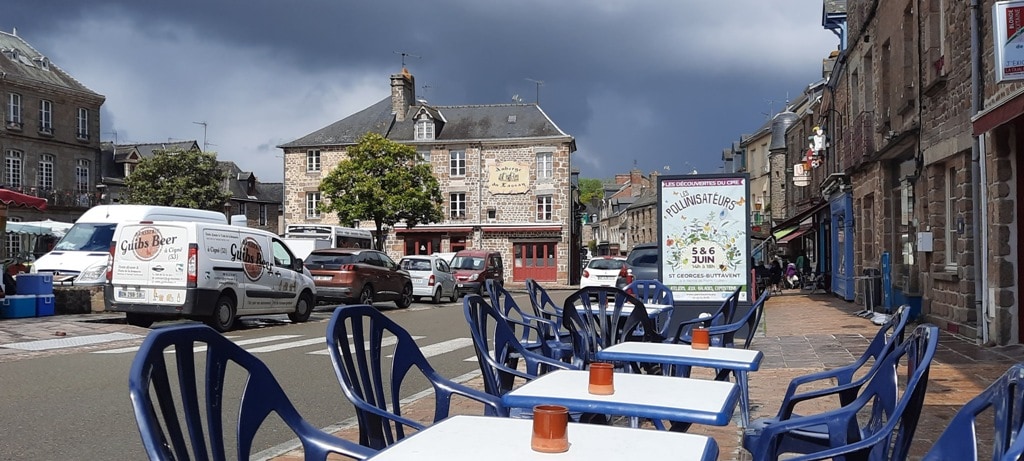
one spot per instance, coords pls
(149, 264)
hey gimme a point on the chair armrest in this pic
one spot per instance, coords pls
(455, 388)
(841, 375)
(681, 335)
(837, 421)
(392, 417)
(847, 393)
(316, 441)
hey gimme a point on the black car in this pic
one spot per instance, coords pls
(644, 261)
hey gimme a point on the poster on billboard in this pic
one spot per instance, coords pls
(1008, 22)
(704, 236)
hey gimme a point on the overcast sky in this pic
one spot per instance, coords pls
(637, 82)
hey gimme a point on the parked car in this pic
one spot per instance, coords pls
(606, 271)
(358, 275)
(474, 267)
(644, 260)
(431, 277)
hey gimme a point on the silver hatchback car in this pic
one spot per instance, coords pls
(431, 277)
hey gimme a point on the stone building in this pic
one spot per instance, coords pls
(50, 138)
(504, 171)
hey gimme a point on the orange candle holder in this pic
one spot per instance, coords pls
(602, 378)
(550, 429)
(700, 339)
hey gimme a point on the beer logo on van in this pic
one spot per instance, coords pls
(251, 256)
(145, 244)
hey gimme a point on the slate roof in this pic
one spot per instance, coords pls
(18, 60)
(113, 155)
(460, 123)
(238, 185)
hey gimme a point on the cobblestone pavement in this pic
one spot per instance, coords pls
(803, 334)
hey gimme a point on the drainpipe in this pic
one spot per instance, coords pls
(979, 181)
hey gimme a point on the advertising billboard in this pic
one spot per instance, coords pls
(1008, 22)
(704, 236)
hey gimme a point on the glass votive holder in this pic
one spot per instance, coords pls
(550, 429)
(602, 378)
(700, 339)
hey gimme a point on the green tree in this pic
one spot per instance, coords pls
(382, 181)
(591, 190)
(181, 178)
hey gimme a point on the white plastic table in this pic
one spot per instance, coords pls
(472, 438)
(636, 395)
(740, 361)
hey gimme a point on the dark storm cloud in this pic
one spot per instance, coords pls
(645, 83)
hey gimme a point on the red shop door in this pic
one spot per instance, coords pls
(536, 261)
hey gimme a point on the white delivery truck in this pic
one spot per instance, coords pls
(80, 257)
(210, 272)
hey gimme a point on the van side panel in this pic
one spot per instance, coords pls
(218, 261)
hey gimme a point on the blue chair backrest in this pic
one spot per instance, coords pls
(593, 317)
(201, 412)
(725, 335)
(543, 305)
(531, 329)
(1005, 397)
(355, 339)
(496, 344)
(651, 292)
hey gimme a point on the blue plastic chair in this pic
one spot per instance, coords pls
(847, 379)
(1005, 396)
(593, 316)
(653, 292)
(724, 315)
(180, 400)
(355, 338)
(544, 306)
(889, 407)
(496, 343)
(725, 335)
(535, 333)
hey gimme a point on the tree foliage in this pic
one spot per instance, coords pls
(181, 178)
(384, 182)
(591, 190)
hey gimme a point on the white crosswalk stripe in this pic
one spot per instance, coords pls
(384, 342)
(444, 346)
(241, 342)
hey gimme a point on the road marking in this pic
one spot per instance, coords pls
(240, 342)
(444, 347)
(47, 344)
(290, 345)
(384, 342)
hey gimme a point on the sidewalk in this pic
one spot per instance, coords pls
(807, 333)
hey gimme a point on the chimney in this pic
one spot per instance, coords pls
(403, 93)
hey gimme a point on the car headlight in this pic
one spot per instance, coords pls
(472, 278)
(94, 273)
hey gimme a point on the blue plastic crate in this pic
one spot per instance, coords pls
(44, 305)
(34, 284)
(18, 306)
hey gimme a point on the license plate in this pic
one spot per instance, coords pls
(130, 294)
(462, 285)
(321, 277)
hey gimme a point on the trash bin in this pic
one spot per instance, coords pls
(872, 287)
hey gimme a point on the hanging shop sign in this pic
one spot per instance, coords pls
(1008, 19)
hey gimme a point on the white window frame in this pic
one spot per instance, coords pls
(457, 163)
(424, 129)
(545, 208)
(313, 205)
(313, 161)
(263, 214)
(951, 230)
(457, 205)
(14, 108)
(44, 177)
(243, 209)
(424, 156)
(545, 166)
(82, 176)
(83, 123)
(13, 169)
(46, 116)
(13, 243)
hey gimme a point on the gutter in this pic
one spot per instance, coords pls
(979, 177)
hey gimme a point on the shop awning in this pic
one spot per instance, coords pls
(795, 221)
(17, 199)
(434, 229)
(779, 234)
(803, 229)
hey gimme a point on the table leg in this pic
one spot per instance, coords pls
(741, 378)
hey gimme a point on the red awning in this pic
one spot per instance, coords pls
(17, 199)
(803, 229)
(522, 229)
(435, 229)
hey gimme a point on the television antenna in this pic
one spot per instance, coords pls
(538, 83)
(404, 54)
(203, 123)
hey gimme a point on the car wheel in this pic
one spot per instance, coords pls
(223, 318)
(406, 298)
(437, 295)
(139, 320)
(455, 295)
(366, 296)
(302, 309)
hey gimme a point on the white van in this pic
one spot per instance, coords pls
(210, 272)
(80, 257)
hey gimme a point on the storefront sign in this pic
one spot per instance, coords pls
(509, 178)
(704, 226)
(1008, 19)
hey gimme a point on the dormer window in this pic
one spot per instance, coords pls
(424, 129)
